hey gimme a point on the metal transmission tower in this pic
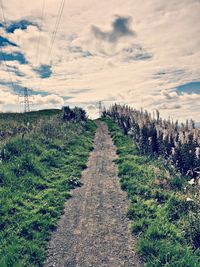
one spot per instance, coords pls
(26, 101)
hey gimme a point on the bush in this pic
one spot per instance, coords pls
(74, 115)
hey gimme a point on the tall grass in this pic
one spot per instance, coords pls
(178, 143)
(13, 124)
(164, 209)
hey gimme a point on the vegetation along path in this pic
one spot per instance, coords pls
(94, 228)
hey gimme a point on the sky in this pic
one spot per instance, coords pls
(142, 53)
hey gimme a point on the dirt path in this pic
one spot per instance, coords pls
(93, 232)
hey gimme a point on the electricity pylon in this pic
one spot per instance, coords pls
(26, 101)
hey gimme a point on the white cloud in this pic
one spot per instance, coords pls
(168, 106)
(167, 34)
(48, 100)
(7, 98)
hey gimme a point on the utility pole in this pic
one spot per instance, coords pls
(100, 109)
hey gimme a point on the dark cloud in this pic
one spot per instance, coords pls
(44, 71)
(21, 24)
(34, 92)
(136, 52)
(78, 50)
(15, 88)
(16, 71)
(120, 28)
(171, 74)
(18, 56)
(5, 42)
(141, 56)
(78, 91)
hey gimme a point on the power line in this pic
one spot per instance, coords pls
(4, 59)
(39, 39)
(54, 33)
(6, 66)
(57, 24)
(2, 53)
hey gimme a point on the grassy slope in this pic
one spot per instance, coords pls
(36, 176)
(166, 222)
(12, 124)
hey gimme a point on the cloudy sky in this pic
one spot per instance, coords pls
(142, 53)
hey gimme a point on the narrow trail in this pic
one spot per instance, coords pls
(93, 231)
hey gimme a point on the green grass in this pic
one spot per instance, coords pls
(13, 124)
(31, 116)
(166, 223)
(36, 176)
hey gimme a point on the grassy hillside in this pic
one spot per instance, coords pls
(36, 175)
(164, 208)
(12, 124)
